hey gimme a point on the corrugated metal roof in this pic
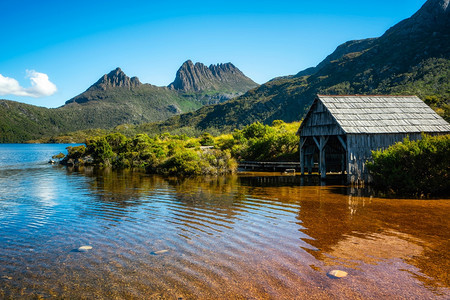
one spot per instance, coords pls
(383, 114)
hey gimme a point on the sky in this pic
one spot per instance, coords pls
(51, 51)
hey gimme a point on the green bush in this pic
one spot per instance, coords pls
(260, 142)
(183, 163)
(75, 152)
(181, 155)
(414, 168)
(117, 141)
(59, 156)
(100, 150)
(206, 139)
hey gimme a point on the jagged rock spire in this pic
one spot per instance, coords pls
(197, 77)
(115, 78)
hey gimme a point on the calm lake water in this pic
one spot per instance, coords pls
(252, 236)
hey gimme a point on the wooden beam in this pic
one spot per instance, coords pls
(322, 163)
(317, 142)
(344, 145)
(304, 141)
(302, 155)
(323, 141)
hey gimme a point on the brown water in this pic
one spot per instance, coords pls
(254, 236)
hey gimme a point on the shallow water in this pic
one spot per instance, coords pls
(249, 236)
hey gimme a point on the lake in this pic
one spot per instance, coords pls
(248, 236)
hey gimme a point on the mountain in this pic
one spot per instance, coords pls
(117, 99)
(412, 57)
(20, 122)
(108, 82)
(218, 78)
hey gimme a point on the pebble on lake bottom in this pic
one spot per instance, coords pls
(159, 252)
(84, 248)
(337, 274)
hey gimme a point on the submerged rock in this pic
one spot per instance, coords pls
(337, 274)
(84, 248)
(159, 252)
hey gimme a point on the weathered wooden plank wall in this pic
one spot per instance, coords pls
(360, 148)
(321, 122)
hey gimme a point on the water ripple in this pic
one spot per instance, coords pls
(153, 237)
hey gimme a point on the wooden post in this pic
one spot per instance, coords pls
(302, 155)
(344, 155)
(322, 166)
(311, 163)
(322, 162)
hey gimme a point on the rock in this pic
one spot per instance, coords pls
(337, 274)
(197, 77)
(174, 109)
(159, 252)
(6, 277)
(115, 78)
(84, 248)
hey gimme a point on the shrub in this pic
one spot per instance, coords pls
(181, 155)
(183, 163)
(117, 141)
(75, 152)
(206, 139)
(264, 143)
(59, 156)
(413, 168)
(100, 150)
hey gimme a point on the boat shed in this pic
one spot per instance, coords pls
(339, 132)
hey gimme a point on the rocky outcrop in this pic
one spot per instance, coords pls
(434, 14)
(115, 78)
(221, 77)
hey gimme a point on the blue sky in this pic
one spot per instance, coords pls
(53, 50)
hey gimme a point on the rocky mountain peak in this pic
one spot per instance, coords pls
(435, 7)
(197, 77)
(432, 17)
(115, 78)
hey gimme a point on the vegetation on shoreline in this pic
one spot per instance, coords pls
(184, 155)
(410, 168)
(413, 168)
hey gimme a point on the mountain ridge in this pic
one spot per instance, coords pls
(115, 78)
(114, 99)
(198, 77)
(411, 57)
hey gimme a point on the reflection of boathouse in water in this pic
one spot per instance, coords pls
(339, 132)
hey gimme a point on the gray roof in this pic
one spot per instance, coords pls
(383, 114)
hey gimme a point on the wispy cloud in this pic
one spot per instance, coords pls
(41, 86)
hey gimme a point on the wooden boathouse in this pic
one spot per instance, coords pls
(339, 132)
